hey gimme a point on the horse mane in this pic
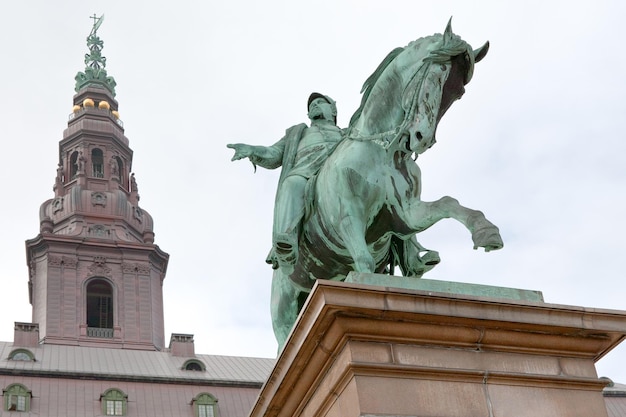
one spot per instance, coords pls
(448, 45)
(371, 81)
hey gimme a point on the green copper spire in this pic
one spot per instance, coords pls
(95, 74)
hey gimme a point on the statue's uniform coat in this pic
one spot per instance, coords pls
(282, 153)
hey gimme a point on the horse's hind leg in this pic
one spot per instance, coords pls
(352, 231)
(355, 194)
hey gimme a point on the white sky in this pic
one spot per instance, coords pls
(536, 143)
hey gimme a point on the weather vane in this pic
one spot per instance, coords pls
(97, 21)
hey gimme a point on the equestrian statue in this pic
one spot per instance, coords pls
(349, 199)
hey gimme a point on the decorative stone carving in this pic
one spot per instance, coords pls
(133, 183)
(57, 261)
(80, 163)
(58, 181)
(138, 213)
(54, 261)
(98, 230)
(69, 262)
(32, 270)
(98, 199)
(139, 268)
(98, 268)
(57, 205)
(128, 267)
(113, 166)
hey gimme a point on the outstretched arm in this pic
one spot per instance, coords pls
(241, 151)
(269, 157)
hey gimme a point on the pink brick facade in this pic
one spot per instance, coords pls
(59, 291)
(94, 233)
(81, 398)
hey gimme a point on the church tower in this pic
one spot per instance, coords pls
(95, 274)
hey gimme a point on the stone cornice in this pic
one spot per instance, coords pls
(127, 378)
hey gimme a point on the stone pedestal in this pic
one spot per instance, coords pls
(369, 350)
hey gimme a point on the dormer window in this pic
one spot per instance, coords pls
(97, 162)
(22, 355)
(194, 365)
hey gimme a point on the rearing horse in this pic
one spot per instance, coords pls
(365, 207)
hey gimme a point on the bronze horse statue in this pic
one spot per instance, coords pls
(365, 208)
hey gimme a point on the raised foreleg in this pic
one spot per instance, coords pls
(420, 215)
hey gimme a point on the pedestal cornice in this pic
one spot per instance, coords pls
(351, 333)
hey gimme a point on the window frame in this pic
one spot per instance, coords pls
(73, 165)
(97, 163)
(28, 353)
(19, 391)
(190, 362)
(120, 169)
(205, 401)
(114, 396)
(99, 323)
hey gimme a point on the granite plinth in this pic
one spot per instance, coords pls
(367, 350)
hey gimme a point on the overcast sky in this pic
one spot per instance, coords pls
(536, 143)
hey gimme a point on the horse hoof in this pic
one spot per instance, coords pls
(431, 258)
(488, 238)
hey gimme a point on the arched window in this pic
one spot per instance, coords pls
(120, 169)
(16, 398)
(205, 405)
(73, 165)
(194, 365)
(114, 402)
(97, 162)
(99, 308)
(21, 355)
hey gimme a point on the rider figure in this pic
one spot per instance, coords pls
(301, 153)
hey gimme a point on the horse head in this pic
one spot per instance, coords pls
(404, 99)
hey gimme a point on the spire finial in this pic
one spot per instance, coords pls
(94, 58)
(95, 74)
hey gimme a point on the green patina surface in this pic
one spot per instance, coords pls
(95, 74)
(448, 287)
(350, 199)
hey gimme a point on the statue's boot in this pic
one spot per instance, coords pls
(430, 259)
(271, 259)
(286, 251)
